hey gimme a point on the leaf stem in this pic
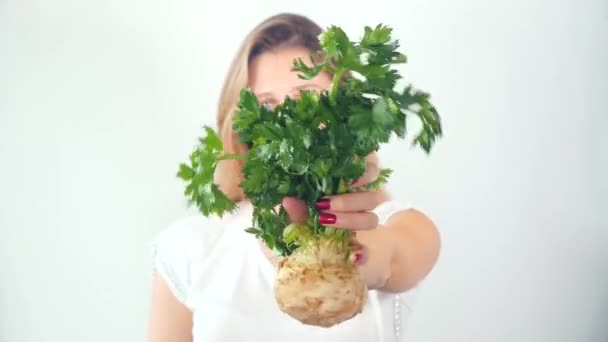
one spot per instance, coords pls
(335, 84)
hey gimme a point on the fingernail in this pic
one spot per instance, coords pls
(322, 204)
(326, 218)
(357, 256)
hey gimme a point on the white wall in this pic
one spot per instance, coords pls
(99, 101)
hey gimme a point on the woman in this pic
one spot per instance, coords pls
(214, 281)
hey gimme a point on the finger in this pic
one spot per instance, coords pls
(372, 171)
(296, 209)
(350, 221)
(360, 255)
(355, 201)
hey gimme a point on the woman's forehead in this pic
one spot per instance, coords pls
(271, 73)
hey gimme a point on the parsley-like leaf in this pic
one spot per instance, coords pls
(201, 190)
(314, 145)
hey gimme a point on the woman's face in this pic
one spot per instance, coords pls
(271, 77)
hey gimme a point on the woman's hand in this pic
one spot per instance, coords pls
(353, 211)
(350, 211)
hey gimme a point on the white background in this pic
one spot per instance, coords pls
(100, 100)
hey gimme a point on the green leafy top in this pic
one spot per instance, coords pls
(312, 146)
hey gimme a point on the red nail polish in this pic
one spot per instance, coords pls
(326, 218)
(358, 257)
(322, 204)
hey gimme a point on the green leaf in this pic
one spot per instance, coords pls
(416, 102)
(198, 176)
(212, 141)
(253, 230)
(309, 72)
(249, 101)
(247, 115)
(339, 48)
(381, 179)
(307, 106)
(185, 172)
(381, 34)
(381, 114)
(285, 158)
(309, 147)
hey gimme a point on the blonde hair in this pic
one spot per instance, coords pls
(278, 31)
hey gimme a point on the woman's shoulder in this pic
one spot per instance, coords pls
(177, 247)
(189, 230)
(389, 208)
(199, 230)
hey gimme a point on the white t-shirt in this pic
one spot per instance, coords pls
(221, 274)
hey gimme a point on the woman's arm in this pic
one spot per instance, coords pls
(402, 252)
(395, 256)
(170, 320)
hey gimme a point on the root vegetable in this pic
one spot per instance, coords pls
(319, 285)
(309, 148)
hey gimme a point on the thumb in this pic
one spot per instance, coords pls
(296, 209)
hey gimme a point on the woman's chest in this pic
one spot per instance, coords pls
(257, 318)
(236, 303)
(232, 299)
